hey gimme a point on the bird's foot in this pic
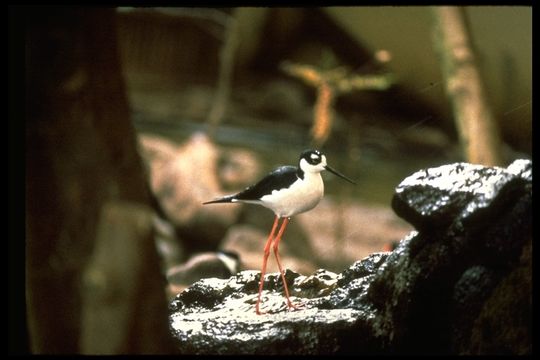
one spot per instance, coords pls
(258, 311)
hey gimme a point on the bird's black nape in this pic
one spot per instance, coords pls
(232, 254)
(309, 152)
(312, 156)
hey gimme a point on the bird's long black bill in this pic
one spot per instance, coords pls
(335, 172)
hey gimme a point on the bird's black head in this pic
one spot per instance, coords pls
(314, 161)
(232, 254)
(231, 260)
(313, 157)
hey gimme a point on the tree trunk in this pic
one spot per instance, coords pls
(477, 128)
(80, 154)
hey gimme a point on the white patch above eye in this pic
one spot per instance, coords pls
(314, 156)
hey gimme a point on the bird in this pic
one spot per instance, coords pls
(221, 264)
(287, 191)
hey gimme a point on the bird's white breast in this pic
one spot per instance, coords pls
(302, 195)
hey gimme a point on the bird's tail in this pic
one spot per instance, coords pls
(225, 199)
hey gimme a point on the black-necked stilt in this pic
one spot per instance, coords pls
(221, 265)
(287, 191)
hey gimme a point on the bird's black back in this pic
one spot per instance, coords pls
(280, 178)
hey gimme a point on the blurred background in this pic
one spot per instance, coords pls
(135, 116)
(173, 63)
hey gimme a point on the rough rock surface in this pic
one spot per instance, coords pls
(444, 290)
(469, 238)
(216, 316)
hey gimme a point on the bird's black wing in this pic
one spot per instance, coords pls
(280, 178)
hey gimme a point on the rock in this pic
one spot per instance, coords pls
(521, 168)
(218, 316)
(189, 179)
(469, 294)
(183, 177)
(504, 325)
(472, 228)
(238, 168)
(460, 284)
(433, 197)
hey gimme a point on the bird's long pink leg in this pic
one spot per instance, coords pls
(265, 260)
(276, 253)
